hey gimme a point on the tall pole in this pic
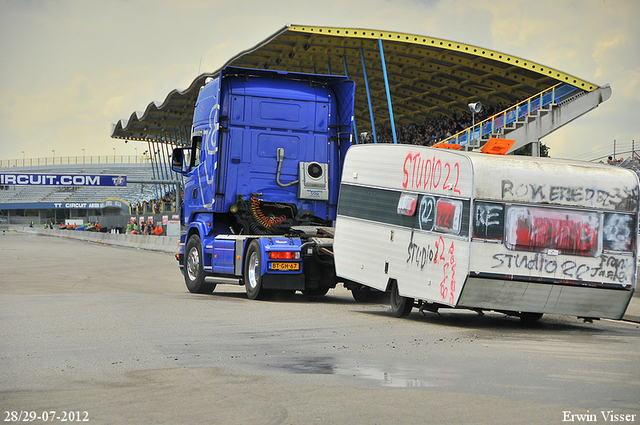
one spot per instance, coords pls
(366, 87)
(346, 74)
(386, 86)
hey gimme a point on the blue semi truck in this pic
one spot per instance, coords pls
(261, 181)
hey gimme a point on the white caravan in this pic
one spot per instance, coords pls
(525, 236)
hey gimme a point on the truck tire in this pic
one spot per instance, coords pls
(193, 271)
(252, 268)
(362, 294)
(400, 306)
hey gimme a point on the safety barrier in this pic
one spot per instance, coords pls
(167, 244)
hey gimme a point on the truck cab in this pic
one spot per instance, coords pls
(262, 174)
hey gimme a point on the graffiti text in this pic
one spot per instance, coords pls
(430, 174)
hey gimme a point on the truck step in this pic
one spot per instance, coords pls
(224, 280)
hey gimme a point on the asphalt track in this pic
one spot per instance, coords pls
(112, 331)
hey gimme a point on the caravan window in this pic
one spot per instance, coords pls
(444, 215)
(448, 215)
(548, 230)
(618, 232)
(574, 232)
(488, 221)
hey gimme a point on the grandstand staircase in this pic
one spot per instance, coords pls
(531, 120)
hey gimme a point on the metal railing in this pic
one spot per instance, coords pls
(76, 160)
(515, 113)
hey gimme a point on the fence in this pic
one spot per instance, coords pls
(76, 160)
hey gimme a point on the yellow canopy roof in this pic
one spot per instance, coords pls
(427, 77)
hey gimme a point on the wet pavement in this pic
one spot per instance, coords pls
(113, 331)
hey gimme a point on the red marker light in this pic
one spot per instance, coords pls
(284, 255)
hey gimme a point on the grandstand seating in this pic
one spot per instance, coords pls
(533, 118)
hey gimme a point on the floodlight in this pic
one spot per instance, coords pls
(475, 107)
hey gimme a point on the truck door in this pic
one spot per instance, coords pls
(193, 187)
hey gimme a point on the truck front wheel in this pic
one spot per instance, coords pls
(400, 306)
(193, 272)
(252, 271)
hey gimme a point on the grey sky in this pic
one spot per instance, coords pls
(70, 68)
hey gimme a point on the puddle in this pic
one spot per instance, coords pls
(394, 375)
(315, 365)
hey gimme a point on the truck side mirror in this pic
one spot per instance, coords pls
(177, 160)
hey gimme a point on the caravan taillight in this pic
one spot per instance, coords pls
(407, 204)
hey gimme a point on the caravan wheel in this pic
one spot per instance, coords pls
(400, 306)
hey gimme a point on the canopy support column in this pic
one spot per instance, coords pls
(165, 165)
(386, 86)
(346, 74)
(366, 86)
(156, 174)
(535, 148)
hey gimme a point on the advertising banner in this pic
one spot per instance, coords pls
(29, 179)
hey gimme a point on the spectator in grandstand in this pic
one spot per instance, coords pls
(434, 130)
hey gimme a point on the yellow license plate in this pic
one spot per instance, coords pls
(284, 266)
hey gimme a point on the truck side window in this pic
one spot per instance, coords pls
(196, 146)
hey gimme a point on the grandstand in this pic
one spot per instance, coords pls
(21, 204)
(402, 80)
